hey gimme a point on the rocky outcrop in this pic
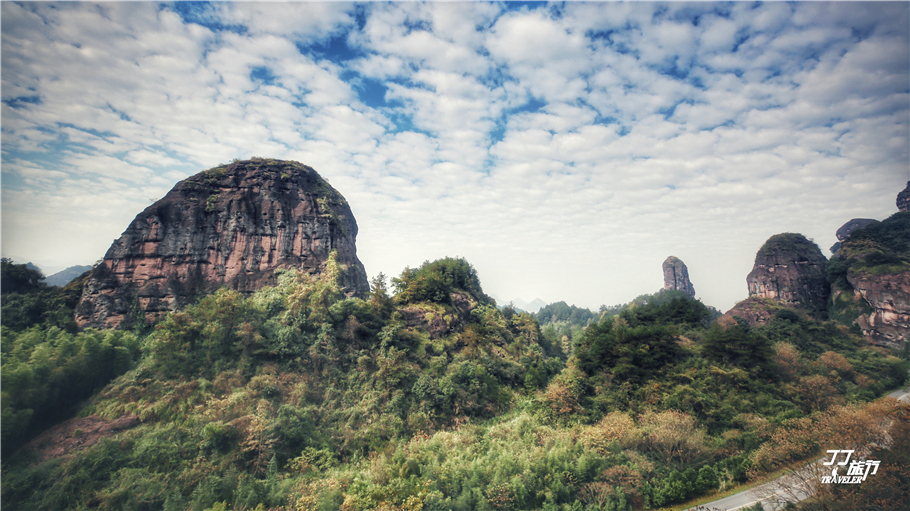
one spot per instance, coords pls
(889, 295)
(676, 276)
(857, 223)
(871, 285)
(903, 199)
(232, 225)
(438, 320)
(755, 310)
(791, 270)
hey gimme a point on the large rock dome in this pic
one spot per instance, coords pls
(231, 225)
(791, 270)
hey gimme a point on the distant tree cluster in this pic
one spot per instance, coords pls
(435, 281)
(27, 300)
(563, 312)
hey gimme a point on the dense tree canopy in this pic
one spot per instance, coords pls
(19, 278)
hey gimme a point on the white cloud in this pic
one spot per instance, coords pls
(557, 152)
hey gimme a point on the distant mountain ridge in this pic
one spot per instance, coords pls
(532, 306)
(64, 277)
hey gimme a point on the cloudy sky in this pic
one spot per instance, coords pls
(564, 149)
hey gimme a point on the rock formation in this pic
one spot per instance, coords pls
(231, 225)
(791, 270)
(873, 266)
(889, 295)
(857, 223)
(903, 199)
(755, 310)
(676, 276)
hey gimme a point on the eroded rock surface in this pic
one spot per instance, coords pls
(791, 270)
(676, 276)
(889, 295)
(755, 310)
(903, 199)
(232, 226)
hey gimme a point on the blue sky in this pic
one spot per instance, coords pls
(564, 149)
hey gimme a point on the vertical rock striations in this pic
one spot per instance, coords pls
(231, 225)
(676, 276)
(791, 270)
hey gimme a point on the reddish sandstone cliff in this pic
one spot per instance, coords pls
(889, 295)
(232, 225)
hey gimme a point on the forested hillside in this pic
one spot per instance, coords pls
(297, 397)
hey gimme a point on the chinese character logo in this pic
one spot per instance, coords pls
(857, 470)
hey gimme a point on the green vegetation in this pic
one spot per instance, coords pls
(211, 202)
(562, 312)
(436, 281)
(47, 368)
(879, 248)
(47, 372)
(789, 242)
(27, 301)
(300, 398)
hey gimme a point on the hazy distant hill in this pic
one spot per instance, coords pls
(520, 304)
(64, 277)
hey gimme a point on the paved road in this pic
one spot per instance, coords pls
(750, 497)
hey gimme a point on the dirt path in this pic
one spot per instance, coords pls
(77, 434)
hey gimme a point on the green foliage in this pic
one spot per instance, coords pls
(435, 281)
(298, 397)
(627, 353)
(670, 310)
(562, 312)
(28, 302)
(739, 345)
(789, 242)
(660, 298)
(19, 278)
(46, 373)
(879, 248)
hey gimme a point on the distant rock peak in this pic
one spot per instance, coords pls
(231, 225)
(676, 276)
(903, 199)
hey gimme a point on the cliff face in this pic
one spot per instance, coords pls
(889, 295)
(232, 226)
(791, 270)
(676, 276)
(903, 199)
(873, 265)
